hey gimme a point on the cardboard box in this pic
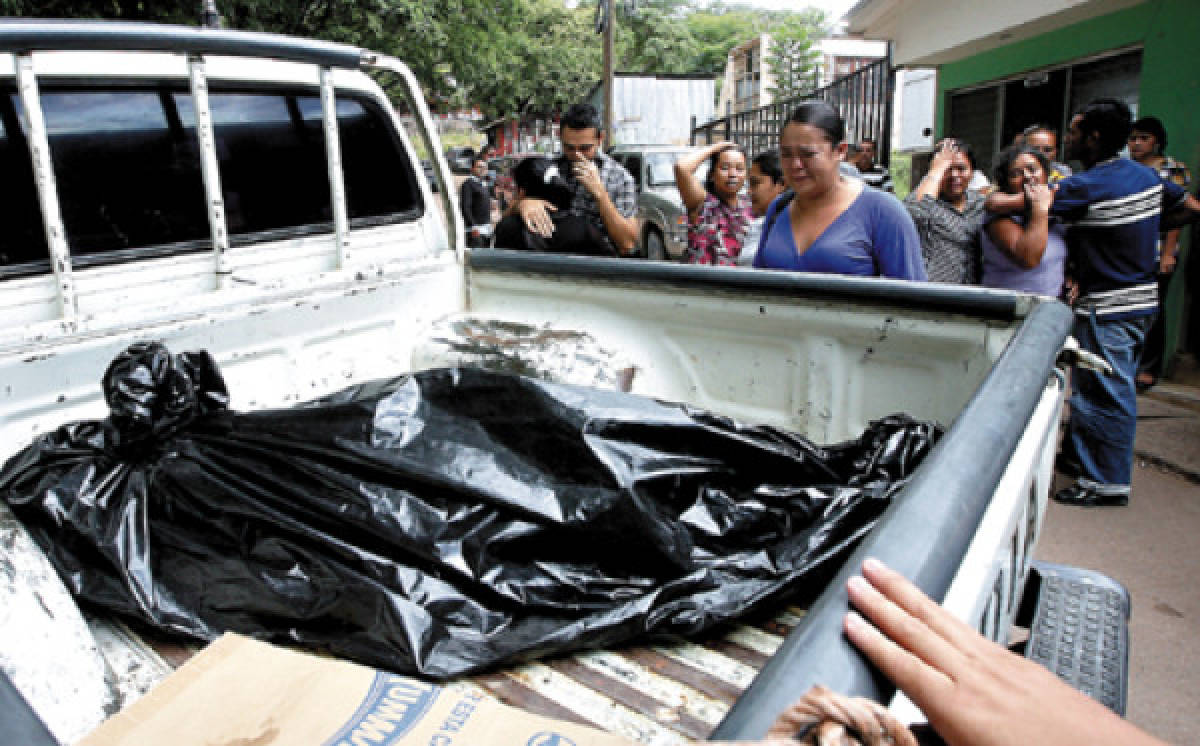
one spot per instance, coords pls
(241, 691)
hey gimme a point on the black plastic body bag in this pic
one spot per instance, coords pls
(441, 522)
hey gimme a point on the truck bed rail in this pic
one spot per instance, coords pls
(31, 36)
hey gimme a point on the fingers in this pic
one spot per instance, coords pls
(536, 216)
(907, 597)
(904, 631)
(921, 682)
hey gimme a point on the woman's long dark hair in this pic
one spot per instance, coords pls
(1004, 160)
(822, 116)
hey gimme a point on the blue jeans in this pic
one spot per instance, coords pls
(1099, 436)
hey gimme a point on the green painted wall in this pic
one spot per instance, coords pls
(1169, 33)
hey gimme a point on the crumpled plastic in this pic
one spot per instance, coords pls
(442, 522)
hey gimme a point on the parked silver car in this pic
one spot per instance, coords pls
(660, 209)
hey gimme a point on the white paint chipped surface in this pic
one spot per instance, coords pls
(714, 664)
(134, 666)
(45, 646)
(755, 639)
(671, 693)
(595, 707)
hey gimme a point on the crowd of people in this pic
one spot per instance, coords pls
(1103, 239)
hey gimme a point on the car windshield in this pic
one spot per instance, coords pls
(660, 168)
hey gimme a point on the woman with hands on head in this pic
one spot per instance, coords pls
(973, 691)
(718, 212)
(949, 214)
(1026, 252)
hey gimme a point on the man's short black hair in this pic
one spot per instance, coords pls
(1152, 126)
(1111, 119)
(581, 117)
(768, 162)
(538, 176)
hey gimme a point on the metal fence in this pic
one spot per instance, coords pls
(863, 98)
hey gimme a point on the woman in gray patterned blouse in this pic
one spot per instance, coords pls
(948, 215)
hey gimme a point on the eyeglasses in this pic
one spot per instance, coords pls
(804, 154)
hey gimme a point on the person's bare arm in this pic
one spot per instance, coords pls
(1187, 211)
(690, 189)
(1003, 203)
(622, 230)
(931, 184)
(1026, 244)
(1170, 249)
(974, 692)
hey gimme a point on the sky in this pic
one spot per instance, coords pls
(835, 8)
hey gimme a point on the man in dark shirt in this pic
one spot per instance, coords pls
(1115, 208)
(476, 205)
(875, 175)
(604, 191)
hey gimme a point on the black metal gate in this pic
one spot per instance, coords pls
(863, 98)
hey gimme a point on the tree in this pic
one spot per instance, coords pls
(792, 59)
(655, 40)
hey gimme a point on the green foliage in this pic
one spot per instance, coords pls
(504, 56)
(900, 166)
(655, 40)
(792, 59)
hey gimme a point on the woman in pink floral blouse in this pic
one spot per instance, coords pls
(718, 212)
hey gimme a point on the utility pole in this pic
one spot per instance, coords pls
(209, 16)
(610, 24)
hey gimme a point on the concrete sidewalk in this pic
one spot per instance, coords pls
(1168, 429)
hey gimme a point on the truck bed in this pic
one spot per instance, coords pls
(818, 355)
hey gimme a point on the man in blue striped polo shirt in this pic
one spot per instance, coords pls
(1114, 209)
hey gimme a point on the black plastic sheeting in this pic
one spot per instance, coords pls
(442, 522)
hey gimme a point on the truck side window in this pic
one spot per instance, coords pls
(127, 163)
(23, 241)
(128, 172)
(271, 153)
(381, 182)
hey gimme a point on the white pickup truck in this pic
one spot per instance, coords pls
(259, 197)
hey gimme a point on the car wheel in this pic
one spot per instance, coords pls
(655, 248)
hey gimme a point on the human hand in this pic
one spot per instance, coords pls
(588, 175)
(1039, 197)
(535, 213)
(1167, 262)
(943, 155)
(973, 691)
(1071, 290)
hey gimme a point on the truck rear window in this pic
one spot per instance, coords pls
(128, 170)
(127, 163)
(23, 240)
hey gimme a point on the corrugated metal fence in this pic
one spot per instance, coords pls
(863, 98)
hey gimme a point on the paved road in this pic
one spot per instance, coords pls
(1153, 548)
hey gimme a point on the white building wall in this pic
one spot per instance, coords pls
(914, 109)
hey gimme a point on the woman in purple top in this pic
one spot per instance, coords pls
(718, 213)
(1025, 252)
(827, 223)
